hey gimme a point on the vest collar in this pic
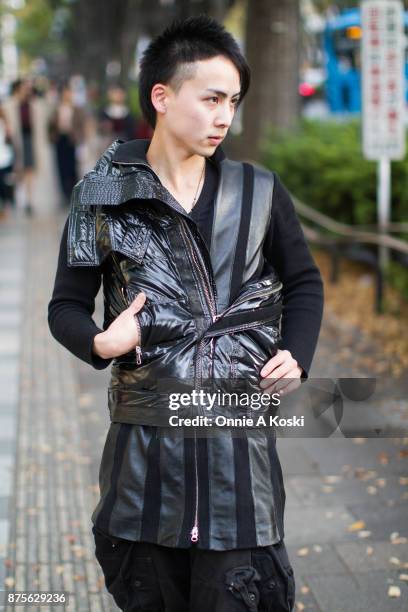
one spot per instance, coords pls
(134, 151)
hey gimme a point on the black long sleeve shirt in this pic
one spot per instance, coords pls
(73, 300)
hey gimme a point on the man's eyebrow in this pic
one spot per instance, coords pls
(222, 93)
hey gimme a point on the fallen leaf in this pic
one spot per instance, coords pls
(78, 577)
(383, 458)
(303, 552)
(79, 551)
(403, 577)
(395, 561)
(300, 606)
(394, 591)
(403, 480)
(371, 490)
(9, 581)
(397, 539)
(331, 479)
(45, 448)
(304, 589)
(100, 583)
(59, 569)
(364, 474)
(364, 534)
(356, 526)
(85, 399)
(369, 550)
(317, 548)
(71, 539)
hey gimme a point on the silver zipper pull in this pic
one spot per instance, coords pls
(124, 296)
(194, 534)
(138, 355)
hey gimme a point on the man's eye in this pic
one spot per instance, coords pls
(213, 98)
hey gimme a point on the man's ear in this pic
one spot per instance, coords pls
(159, 97)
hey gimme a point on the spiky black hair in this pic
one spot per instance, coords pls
(185, 41)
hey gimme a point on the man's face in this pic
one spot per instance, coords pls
(203, 107)
(116, 95)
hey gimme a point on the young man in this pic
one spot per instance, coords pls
(196, 253)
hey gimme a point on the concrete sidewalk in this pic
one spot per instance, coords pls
(347, 499)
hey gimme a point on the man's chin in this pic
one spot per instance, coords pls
(210, 147)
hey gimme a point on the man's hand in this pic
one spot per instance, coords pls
(122, 335)
(285, 372)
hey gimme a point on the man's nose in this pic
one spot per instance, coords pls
(225, 116)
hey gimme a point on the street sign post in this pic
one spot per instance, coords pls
(383, 80)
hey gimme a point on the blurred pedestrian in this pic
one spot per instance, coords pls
(19, 112)
(116, 119)
(66, 133)
(6, 165)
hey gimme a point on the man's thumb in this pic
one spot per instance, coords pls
(138, 302)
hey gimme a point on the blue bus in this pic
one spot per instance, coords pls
(342, 49)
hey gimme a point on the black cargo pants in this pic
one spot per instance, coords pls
(148, 577)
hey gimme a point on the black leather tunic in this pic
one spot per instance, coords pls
(209, 316)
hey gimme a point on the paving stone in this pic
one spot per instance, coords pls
(9, 343)
(323, 558)
(357, 592)
(332, 455)
(11, 296)
(4, 506)
(4, 530)
(6, 478)
(294, 459)
(355, 557)
(312, 525)
(311, 490)
(382, 524)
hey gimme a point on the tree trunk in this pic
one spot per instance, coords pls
(104, 31)
(272, 51)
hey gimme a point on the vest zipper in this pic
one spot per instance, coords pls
(199, 265)
(138, 347)
(265, 291)
(243, 326)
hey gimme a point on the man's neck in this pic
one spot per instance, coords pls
(177, 169)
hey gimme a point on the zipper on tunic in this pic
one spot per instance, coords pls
(138, 348)
(202, 271)
(199, 265)
(264, 291)
(244, 326)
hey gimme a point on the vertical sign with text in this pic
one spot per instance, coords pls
(383, 50)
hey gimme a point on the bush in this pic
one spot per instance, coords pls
(322, 164)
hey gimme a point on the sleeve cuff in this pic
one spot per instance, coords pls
(99, 363)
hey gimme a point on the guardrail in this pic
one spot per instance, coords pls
(351, 242)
